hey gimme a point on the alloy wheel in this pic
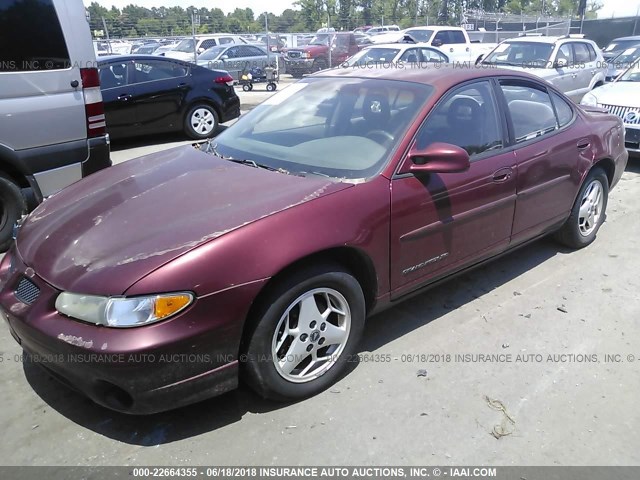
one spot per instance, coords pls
(311, 335)
(590, 208)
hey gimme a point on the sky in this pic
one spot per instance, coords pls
(618, 8)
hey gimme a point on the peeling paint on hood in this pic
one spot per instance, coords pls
(104, 233)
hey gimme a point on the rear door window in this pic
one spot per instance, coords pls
(531, 111)
(152, 70)
(580, 53)
(31, 36)
(564, 112)
(115, 74)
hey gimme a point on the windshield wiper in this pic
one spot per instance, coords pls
(253, 163)
(211, 147)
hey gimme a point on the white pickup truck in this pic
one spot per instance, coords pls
(453, 41)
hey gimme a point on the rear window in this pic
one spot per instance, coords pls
(33, 30)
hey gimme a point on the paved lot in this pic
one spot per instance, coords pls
(426, 405)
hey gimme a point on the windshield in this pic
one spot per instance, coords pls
(420, 35)
(626, 57)
(632, 74)
(320, 40)
(346, 129)
(212, 53)
(373, 55)
(521, 54)
(620, 44)
(186, 46)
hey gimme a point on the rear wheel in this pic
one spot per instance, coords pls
(201, 121)
(12, 206)
(301, 340)
(588, 212)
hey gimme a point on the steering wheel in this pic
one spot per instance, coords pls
(380, 136)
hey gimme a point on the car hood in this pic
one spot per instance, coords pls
(179, 55)
(312, 49)
(104, 233)
(545, 73)
(624, 94)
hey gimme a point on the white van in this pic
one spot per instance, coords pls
(52, 124)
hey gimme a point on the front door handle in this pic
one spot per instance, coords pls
(124, 97)
(502, 175)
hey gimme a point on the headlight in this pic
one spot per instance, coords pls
(121, 311)
(305, 55)
(590, 100)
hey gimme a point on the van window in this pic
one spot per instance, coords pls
(33, 31)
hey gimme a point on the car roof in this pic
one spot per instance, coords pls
(134, 56)
(441, 76)
(400, 45)
(547, 40)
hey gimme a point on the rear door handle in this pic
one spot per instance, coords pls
(124, 97)
(583, 143)
(502, 175)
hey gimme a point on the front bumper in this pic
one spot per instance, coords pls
(99, 155)
(142, 370)
(298, 65)
(230, 109)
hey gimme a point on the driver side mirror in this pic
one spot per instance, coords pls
(437, 158)
(560, 63)
(200, 50)
(224, 57)
(437, 43)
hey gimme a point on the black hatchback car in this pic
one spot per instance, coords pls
(145, 94)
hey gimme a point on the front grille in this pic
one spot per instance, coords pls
(27, 291)
(294, 54)
(625, 113)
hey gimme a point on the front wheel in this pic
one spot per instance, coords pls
(12, 206)
(271, 87)
(319, 64)
(201, 121)
(588, 212)
(302, 339)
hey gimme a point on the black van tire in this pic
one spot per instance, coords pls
(12, 206)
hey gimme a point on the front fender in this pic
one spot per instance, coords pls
(357, 216)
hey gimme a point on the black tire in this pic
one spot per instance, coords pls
(246, 87)
(257, 368)
(296, 75)
(570, 234)
(12, 206)
(319, 64)
(211, 128)
(271, 87)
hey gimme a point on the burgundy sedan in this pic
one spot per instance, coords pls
(167, 279)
